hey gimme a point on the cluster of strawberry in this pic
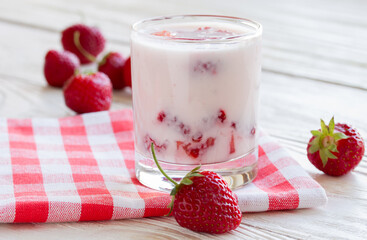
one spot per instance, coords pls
(90, 92)
(197, 146)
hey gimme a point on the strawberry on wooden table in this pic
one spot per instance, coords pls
(335, 149)
(88, 93)
(84, 41)
(60, 67)
(112, 65)
(203, 202)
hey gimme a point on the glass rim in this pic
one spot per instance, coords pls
(247, 22)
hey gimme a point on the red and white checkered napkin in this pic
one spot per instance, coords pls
(82, 168)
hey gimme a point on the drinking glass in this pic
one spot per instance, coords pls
(195, 87)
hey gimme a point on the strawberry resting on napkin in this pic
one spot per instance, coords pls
(81, 168)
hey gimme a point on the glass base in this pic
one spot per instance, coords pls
(237, 172)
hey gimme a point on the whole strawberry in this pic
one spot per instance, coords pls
(112, 65)
(203, 202)
(59, 67)
(126, 71)
(84, 41)
(335, 149)
(88, 93)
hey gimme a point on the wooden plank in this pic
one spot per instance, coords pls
(290, 32)
(300, 103)
(20, 98)
(24, 59)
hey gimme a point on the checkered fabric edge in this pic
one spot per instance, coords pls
(81, 168)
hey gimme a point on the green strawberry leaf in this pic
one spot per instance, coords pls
(333, 148)
(316, 133)
(195, 169)
(314, 148)
(196, 175)
(170, 206)
(339, 135)
(330, 155)
(324, 129)
(186, 181)
(323, 157)
(315, 141)
(331, 125)
(173, 191)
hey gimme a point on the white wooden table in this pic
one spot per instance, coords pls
(314, 65)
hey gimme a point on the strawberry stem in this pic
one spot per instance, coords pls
(184, 181)
(104, 60)
(79, 46)
(159, 167)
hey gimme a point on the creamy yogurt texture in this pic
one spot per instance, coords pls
(195, 91)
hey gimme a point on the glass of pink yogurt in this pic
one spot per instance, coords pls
(195, 83)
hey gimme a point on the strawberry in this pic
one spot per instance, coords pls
(84, 41)
(206, 67)
(221, 115)
(163, 33)
(195, 150)
(126, 71)
(88, 93)
(203, 202)
(159, 146)
(232, 146)
(59, 67)
(197, 137)
(112, 65)
(335, 149)
(161, 116)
